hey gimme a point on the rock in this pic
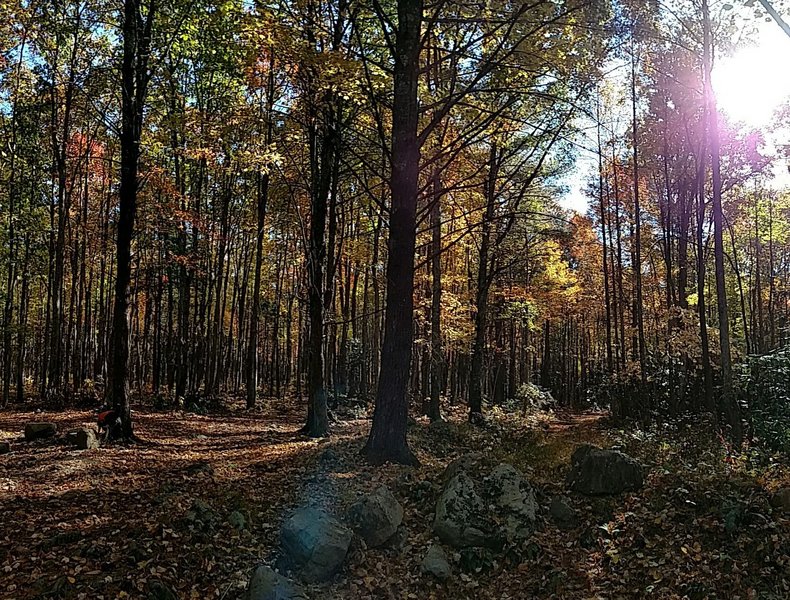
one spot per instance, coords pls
(314, 543)
(514, 499)
(376, 517)
(562, 513)
(501, 507)
(85, 439)
(266, 584)
(469, 463)
(597, 472)
(460, 513)
(159, 591)
(237, 520)
(38, 431)
(70, 437)
(399, 541)
(435, 563)
(201, 515)
(780, 500)
(5, 447)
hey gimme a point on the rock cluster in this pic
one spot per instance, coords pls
(478, 509)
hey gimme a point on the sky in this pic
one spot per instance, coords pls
(749, 85)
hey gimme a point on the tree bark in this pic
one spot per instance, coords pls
(136, 34)
(387, 440)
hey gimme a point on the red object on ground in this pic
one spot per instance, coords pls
(106, 417)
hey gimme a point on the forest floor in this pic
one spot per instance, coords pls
(105, 523)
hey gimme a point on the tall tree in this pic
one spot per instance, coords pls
(136, 31)
(387, 440)
(729, 403)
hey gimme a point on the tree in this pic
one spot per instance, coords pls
(387, 440)
(136, 31)
(729, 402)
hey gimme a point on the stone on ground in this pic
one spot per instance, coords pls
(314, 543)
(435, 563)
(562, 513)
(460, 513)
(514, 499)
(376, 516)
(476, 511)
(266, 584)
(38, 431)
(85, 439)
(781, 500)
(599, 472)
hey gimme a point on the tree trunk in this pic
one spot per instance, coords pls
(481, 298)
(437, 355)
(729, 402)
(387, 441)
(134, 79)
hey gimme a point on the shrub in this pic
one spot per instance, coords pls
(763, 384)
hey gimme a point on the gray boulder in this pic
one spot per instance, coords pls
(435, 563)
(376, 517)
(471, 463)
(598, 472)
(314, 543)
(514, 500)
(85, 439)
(484, 511)
(39, 431)
(460, 513)
(5, 447)
(266, 584)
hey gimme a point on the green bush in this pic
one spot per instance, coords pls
(764, 391)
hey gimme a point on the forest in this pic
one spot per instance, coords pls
(307, 299)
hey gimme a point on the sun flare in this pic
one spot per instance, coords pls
(754, 82)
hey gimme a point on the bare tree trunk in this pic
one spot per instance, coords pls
(640, 326)
(387, 441)
(481, 297)
(437, 355)
(134, 79)
(729, 402)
